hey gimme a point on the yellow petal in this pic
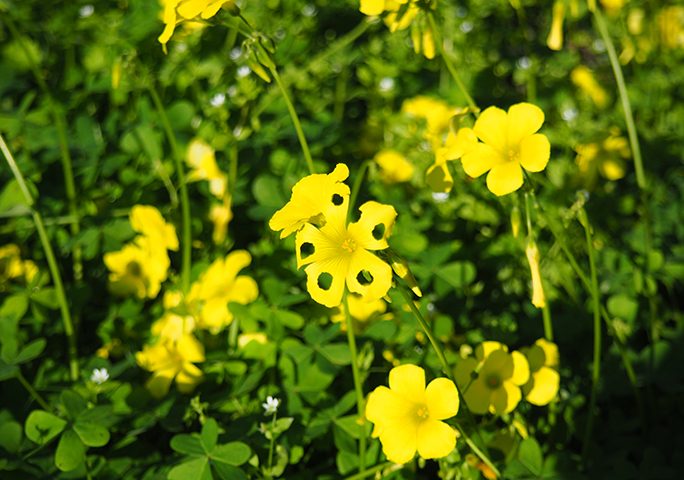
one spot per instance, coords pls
(442, 400)
(331, 296)
(477, 397)
(374, 226)
(408, 381)
(191, 8)
(438, 178)
(535, 151)
(499, 363)
(484, 349)
(399, 441)
(190, 349)
(385, 406)
(245, 290)
(464, 369)
(435, 439)
(491, 127)
(158, 384)
(524, 119)
(188, 378)
(505, 398)
(372, 7)
(213, 8)
(394, 166)
(550, 352)
(542, 387)
(480, 159)
(460, 143)
(521, 369)
(505, 178)
(380, 273)
(555, 38)
(428, 44)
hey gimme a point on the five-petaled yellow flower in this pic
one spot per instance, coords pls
(500, 375)
(147, 221)
(172, 360)
(394, 167)
(342, 253)
(542, 387)
(311, 196)
(408, 416)
(510, 143)
(177, 11)
(139, 268)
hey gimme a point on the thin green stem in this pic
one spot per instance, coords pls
(448, 63)
(295, 119)
(32, 391)
(271, 446)
(351, 340)
(548, 324)
(65, 155)
(356, 186)
(596, 369)
(372, 471)
(186, 244)
(447, 371)
(52, 262)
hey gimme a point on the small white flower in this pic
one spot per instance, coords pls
(386, 84)
(99, 376)
(218, 100)
(270, 405)
(86, 11)
(243, 71)
(440, 197)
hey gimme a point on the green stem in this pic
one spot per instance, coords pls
(186, 244)
(65, 155)
(447, 371)
(32, 391)
(448, 63)
(295, 119)
(271, 446)
(351, 339)
(372, 471)
(356, 186)
(52, 262)
(548, 324)
(596, 370)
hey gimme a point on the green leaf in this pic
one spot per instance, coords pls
(530, 456)
(41, 426)
(289, 319)
(91, 434)
(7, 371)
(623, 307)
(224, 471)
(187, 444)
(30, 351)
(70, 452)
(73, 403)
(10, 436)
(196, 469)
(457, 274)
(233, 453)
(336, 353)
(46, 297)
(209, 435)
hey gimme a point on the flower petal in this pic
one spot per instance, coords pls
(524, 119)
(385, 406)
(190, 349)
(442, 399)
(477, 397)
(435, 439)
(505, 398)
(159, 383)
(491, 127)
(245, 290)
(380, 272)
(337, 269)
(408, 381)
(535, 151)
(499, 363)
(480, 159)
(464, 369)
(542, 387)
(521, 369)
(485, 348)
(505, 178)
(460, 143)
(188, 378)
(376, 221)
(399, 441)
(372, 7)
(438, 178)
(550, 352)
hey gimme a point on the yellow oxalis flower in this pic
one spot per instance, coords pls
(607, 158)
(220, 215)
(139, 268)
(584, 79)
(500, 376)
(342, 253)
(510, 143)
(311, 196)
(169, 360)
(436, 113)
(202, 161)
(361, 310)
(456, 145)
(407, 415)
(394, 167)
(542, 387)
(177, 11)
(12, 266)
(670, 22)
(217, 286)
(172, 326)
(147, 221)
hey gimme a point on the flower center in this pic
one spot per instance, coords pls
(422, 412)
(349, 245)
(493, 381)
(513, 155)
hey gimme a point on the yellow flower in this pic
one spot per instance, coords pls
(177, 11)
(147, 221)
(612, 6)
(245, 339)
(555, 39)
(607, 158)
(532, 254)
(407, 415)
(510, 142)
(169, 360)
(342, 253)
(398, 16)
(394, 167)
(139, 268)
(172, 326)
(456, 145)
(542, 387)
(436, 113)
(217, 286)
(499, 376)
(360, 309)
(671, 26)
(372, 7)
(220, 214)
(584, 79)
(311, 196)
(12, 266)
(202, 161)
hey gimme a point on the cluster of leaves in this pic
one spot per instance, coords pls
(93, 65)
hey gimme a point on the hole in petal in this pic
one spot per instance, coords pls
(364, 277)
(325, 281)
(133, 268)
(337, 199)
(379, 231)
(306, 249)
